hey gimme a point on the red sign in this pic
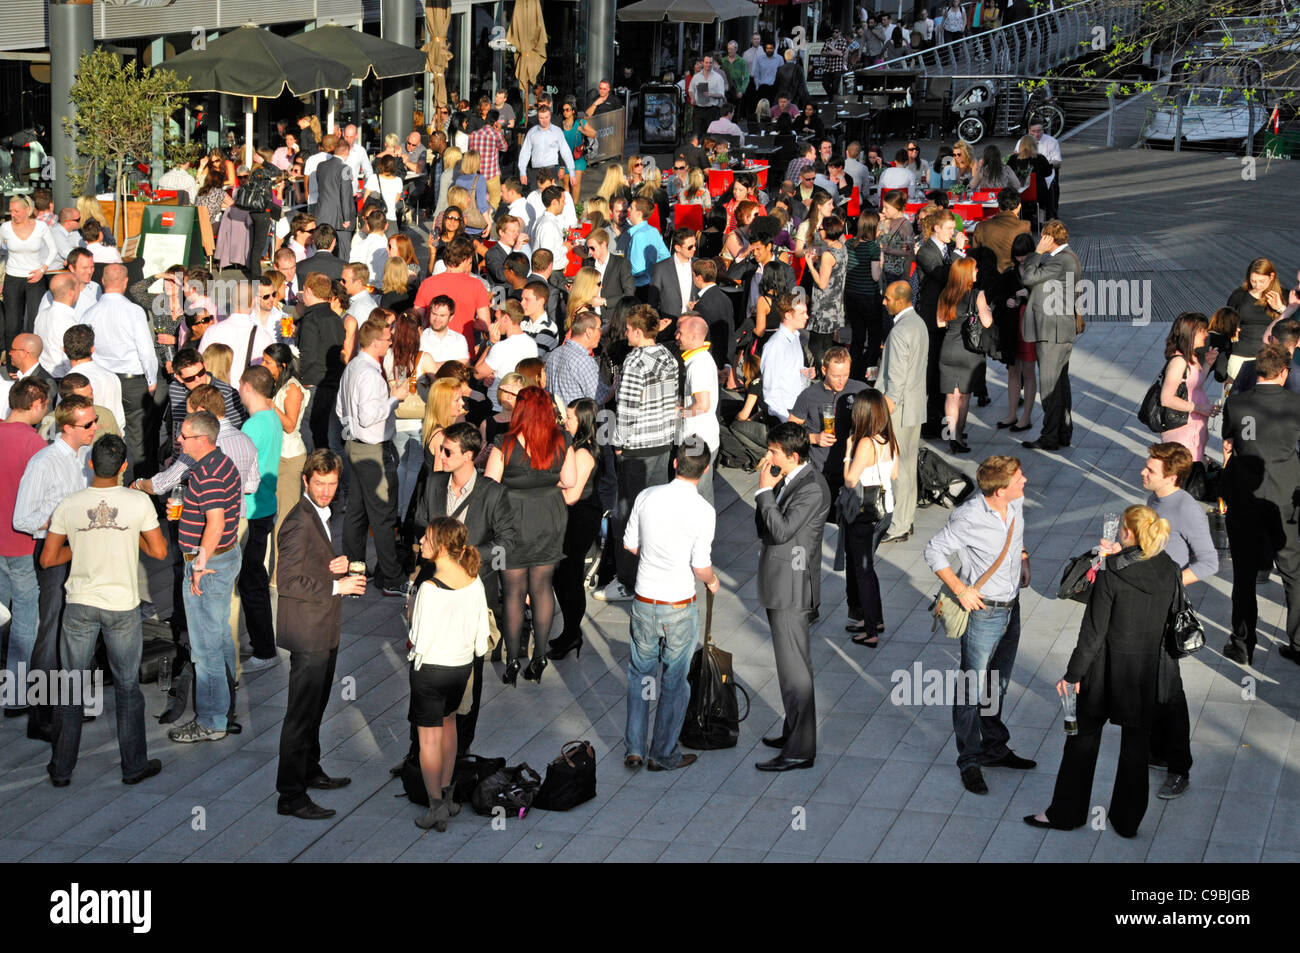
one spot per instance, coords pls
(168, 219)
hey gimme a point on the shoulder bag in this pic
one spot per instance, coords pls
(713, 713)
(1184, 633)
(473, 217)
(570, 778)
(1156, 416)
(946, 607)
(975, 337)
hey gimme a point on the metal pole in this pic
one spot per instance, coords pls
(398, 25)
(1110, 119)
(72, 32)
(1178, 123)
(600, 42)
(248, 132)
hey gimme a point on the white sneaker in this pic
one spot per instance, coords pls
(255, 664)
(614, 592)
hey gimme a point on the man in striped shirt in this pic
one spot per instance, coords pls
(207, 534)
(489, 142)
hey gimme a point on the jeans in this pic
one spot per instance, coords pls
(211, 647)
(122, 637)
(667, 635)
(988, 647)
(19, 591)
(410, 457)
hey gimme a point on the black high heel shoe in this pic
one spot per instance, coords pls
(511, 673)
(559, 650)
(533, 672)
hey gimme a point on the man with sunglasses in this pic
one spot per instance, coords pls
(243, 333)
(67, 233)
(671, 280)
(300, 236)
(190, 374)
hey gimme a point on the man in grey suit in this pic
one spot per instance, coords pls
(1052, 276)
(335, 194)
(902, 380)
(791, 509)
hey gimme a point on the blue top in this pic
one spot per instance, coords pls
(645, 249)
(476, 186)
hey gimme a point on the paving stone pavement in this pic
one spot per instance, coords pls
(884, 787)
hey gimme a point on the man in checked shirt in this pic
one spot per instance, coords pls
(646, 398)
(489, 142)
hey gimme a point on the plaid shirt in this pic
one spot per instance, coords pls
(794, 168)
(647, 399)
(488, 142)
(571, 373)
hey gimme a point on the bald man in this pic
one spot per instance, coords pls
(26, 356)
(124, 345)
(52, 322)
(699, 425)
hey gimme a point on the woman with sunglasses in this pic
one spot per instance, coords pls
(920, 168)
(577, 133)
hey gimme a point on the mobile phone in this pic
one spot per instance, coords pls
(774, 470)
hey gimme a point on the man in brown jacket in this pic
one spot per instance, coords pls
(1000, 231)
(311, 581)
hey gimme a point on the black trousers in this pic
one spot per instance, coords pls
(135, 396)
(310, 676)
(1073, 792)
(862, 585)
(744, 438)
(1251, 552)
(704, 115)
(372, 506)
(466, 725)
(636, 471)
(45, 653)
(255, 587)
(570, 592)
(22, 300)
(1171, 734)
(257, 243)
(794, 673)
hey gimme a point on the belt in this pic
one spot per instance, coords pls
(129, 377)
(660, 602)
(189, 557)
(995, 604)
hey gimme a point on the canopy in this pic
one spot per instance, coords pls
(688, 11)
(362, 53)
(251, 61)
(527, 34)
(437, 20)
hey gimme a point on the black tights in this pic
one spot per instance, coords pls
(534, 582)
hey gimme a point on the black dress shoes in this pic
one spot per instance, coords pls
(311, 811)
(776, 741)
(1287, 652)
(1033, 821)
(972, 780)
(1040, 445)
(325, 783)
(1230, 651)
(1016, 428)
(152, 768)
(57, 782)
(1010, 760)
(784, 764)
(899, 538)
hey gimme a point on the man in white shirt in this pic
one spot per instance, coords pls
(67, 234)
(309, 170)
(367, 411)
(52, 322)
(708, 93)
(267, 314)
(856, 168)
(512, 193)
(548, 231)
(357, 160)
(784, 375)
(897, 176)
(670, 529)
(180, 179)
(537, 205)
(751, 55)
(1050, 149)
(700, 406)
(510, 346)
(81, 266)
(438, 340)
(245, 337)
(372, 250)
(79, 347)
(363, 302)
(538, 322)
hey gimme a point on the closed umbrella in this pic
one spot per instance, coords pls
(527, 34)
(437, 20)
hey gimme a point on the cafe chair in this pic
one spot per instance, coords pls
(854, 207)
(1030, 194)
(689, 216)
(720, 181)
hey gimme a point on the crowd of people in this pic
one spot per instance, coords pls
(476, 401)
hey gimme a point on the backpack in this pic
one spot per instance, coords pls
(713, 715)
(935, 479)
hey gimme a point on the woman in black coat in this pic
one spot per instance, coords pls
(1120, 669)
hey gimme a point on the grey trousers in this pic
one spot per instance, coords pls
(909, 445)
(794, 673)
(45, 653)
(1054, 385)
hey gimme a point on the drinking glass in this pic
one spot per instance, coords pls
(1070, 703)
(165, 675)
(1110, 527)
(357, 568)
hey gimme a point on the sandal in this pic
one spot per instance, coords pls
(863, 638)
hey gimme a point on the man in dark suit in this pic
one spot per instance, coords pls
(999, 232)
(336, 204)
(312, 581)
(934, 260)
(1052, 276)
(615, 272)
(771, 278)
(790, 514)
(1260, 429)
(715, 307)
(671, 280)
(324, 262)
(483, 505)
(320, 358)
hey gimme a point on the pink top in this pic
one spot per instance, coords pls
(19, 442)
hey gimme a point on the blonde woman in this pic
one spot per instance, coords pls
(290, 403)
(451, 157)
(696, 191)
(217, 359)
(29, 251)
(471, 180)
(444, 407)
(88, 206)
(615, 184)
(596, 206)
(498, 424)
(395, 290)
(763, 111)
(585, 293)
(963, 160)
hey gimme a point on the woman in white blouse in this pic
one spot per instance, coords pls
(30, 252)
(449, 627)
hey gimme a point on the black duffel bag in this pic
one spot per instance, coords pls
(570, 778)
(511, 788)
(713, 716)
(1079, 575)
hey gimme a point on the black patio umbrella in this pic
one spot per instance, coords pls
(251, 61)
(362, 53)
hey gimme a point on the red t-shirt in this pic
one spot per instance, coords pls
(463, 288)
(19, 442)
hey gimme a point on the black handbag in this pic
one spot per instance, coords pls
(713, 716)
(1080, 573)
(978, 339)
(570, 778)
(865, 503)
(510, 788)
(1184, 633)
(1156, 416)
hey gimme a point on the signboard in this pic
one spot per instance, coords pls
(660, 114)
(170, 235)
(610, 129)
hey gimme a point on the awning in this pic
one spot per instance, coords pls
(251, 61)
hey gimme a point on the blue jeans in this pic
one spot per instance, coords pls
(18, 590)
(211, 647)
(667, 635)
(989, 646)
(122, 637)
(410, 457)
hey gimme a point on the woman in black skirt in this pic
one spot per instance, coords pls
(582, 528)
(959, 303)
(449, 627)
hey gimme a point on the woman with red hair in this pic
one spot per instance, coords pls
(959, 304)
(534, 460)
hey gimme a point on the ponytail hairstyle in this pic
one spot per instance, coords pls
(450, 535)
(1150, 531)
